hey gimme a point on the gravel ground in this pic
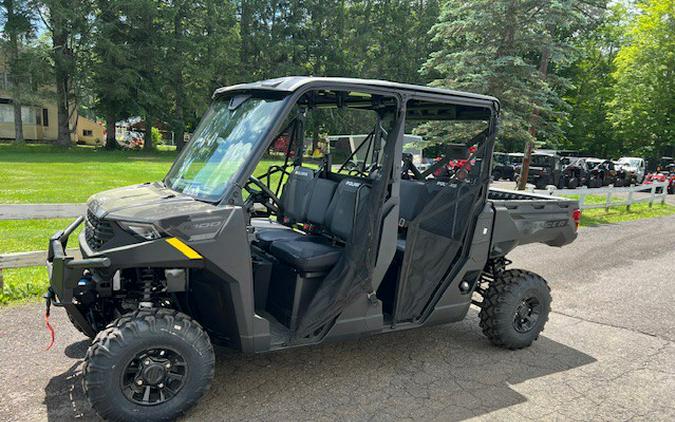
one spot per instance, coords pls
(607, 353)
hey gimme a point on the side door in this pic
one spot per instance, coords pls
(437, 242)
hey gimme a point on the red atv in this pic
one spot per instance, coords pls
(666, 174)
(461, 167)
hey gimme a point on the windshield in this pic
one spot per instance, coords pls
(592, 164)
(223, 142)
(633, 162)
(541, 160)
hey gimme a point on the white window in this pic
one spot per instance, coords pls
(27, 115)
(6, 113)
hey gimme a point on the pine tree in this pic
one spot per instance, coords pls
(510, 49)
(113, 67)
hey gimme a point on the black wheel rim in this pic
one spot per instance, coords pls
(526, 315)
(154, 376)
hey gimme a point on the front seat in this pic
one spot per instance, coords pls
(294, 202)
(317, 253)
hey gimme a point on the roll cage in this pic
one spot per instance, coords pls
(369, 253)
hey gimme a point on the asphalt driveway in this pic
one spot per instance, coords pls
(608, 353)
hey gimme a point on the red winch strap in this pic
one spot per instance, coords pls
(50, 329)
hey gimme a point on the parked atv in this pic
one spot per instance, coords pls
(170, 267)
(603, 173)
(503, 167)
(576, 173)
(545, 169)
(667, 174)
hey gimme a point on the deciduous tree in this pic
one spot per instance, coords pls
(642, 109)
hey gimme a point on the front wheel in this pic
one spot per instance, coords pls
(151, 364)
(515, 309)
(573, 183)
(91, 333)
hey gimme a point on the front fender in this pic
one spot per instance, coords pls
(161, 253)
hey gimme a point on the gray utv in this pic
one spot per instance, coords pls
(260, 250)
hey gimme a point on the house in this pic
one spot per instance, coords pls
(40, 119)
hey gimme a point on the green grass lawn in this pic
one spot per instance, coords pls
(44, 174)
(615, 215)
(24, 236)
(619, 214)
(31, 235)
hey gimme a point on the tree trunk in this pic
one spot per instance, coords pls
(110, 141)
(18, 122)
(179, 137)
(245, 33)
(147, 140)
(179, 89)
(62, 74)
(315, 137)
(534, 120)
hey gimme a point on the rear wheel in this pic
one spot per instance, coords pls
(515, 309)
(594, 183)
(541, 183)
(573, 183)
(152, 364)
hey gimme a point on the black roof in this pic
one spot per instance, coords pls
(293, 83)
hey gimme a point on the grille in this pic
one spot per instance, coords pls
(97, 231)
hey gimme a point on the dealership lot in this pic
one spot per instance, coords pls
(607, 353)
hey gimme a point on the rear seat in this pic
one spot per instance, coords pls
(317, 253)
(414, 196)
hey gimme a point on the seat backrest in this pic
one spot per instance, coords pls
(296, 194)
(322, 194)
(414, 196)
(349, 197)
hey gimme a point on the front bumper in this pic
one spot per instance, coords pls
(65, 271)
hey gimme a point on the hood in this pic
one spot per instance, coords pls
(148, 202)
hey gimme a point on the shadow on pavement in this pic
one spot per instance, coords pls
(64, 397)
(77, 350)
(448, 372)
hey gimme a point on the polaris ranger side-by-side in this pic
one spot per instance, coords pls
(303, 251)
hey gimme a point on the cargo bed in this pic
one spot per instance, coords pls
(522, 218)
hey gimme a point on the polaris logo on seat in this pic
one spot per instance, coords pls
(352, 184)
(303, 173)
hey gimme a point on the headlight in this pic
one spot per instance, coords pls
(146, 231)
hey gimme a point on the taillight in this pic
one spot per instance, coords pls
(576, 216)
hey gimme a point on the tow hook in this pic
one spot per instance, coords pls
(49, 298)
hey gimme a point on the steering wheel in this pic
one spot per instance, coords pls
(263, 195)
